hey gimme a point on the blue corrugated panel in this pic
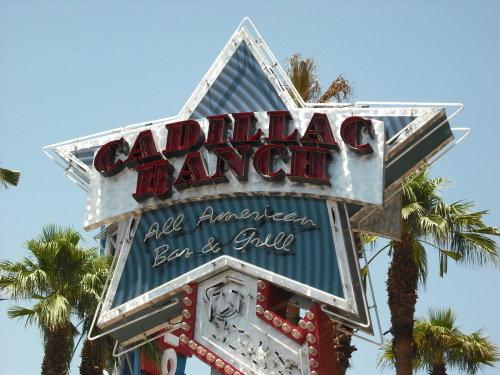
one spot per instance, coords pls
(393, 124)
(312, 260)
(241, 86)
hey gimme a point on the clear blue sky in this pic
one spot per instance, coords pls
(74, 68)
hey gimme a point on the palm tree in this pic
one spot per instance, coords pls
(454, 230)
(96, 355)
(302, 74)
(57, 277)
(438, 343)
(9, 177)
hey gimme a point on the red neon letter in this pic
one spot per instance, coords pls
(217, 131)
(143, 151)
(154, 179)
(350, 131)
(183, 137)
(309, 164)
(319, 133)
(244, 123)
(263, 161)
(193, 172)
(104, 161)
(278, 124)
(238, 164)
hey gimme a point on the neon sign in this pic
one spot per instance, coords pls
(310, 152)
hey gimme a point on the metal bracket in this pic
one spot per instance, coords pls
(129, 349)
(174, 302)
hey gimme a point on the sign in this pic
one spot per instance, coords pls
(319, 153)
(241, 204)
(226, 326)
(297, 243)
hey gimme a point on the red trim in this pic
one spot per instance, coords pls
(187, 341)
(350, 131)
(183, 137)
(154, 179)
(316, 327)
(104, 161)
(319, 133)
(143, 151)
(217, 131)
(193, 172)
(273, 302)
(310, 164)
(278, 125)
(244, 123)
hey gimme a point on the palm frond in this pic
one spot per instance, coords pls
(386, 358)
(19, 312)
(419, 256)
(302, 73)
(438, 340)
(53, 311)
(9, 178)
(153, 353)
(340, 90)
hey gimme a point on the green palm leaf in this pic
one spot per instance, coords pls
(437, 341)
(9, 177)
(61, 281)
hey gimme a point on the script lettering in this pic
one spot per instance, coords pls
(171, 225)
(248, 238)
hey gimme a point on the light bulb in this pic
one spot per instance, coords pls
(311, 338)
(296, 333)
(312, 350)
(309, 315)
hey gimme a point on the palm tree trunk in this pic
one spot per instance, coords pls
(438, 369)
(343, 348)
(92, 360)
(402, 283)
(57, 351)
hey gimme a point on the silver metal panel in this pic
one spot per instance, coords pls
(353, 177)
(385, 222)
(252, 346)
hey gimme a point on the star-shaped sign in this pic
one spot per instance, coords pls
(264, 184)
